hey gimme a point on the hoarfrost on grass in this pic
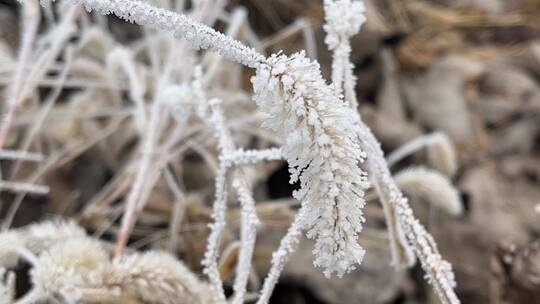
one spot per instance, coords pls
(325, 145)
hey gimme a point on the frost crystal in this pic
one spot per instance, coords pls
(323, 153)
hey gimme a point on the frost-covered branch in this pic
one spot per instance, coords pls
(199, 35)
(250, 221)
(216, 228)
(286, 247)
(242, 157)
(438, 272)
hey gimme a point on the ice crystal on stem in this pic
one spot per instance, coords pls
(251, 157)
(323, 154)
(250, 221)
(438, 271)
(199, 35)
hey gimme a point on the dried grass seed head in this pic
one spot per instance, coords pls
(442, 154)
(432, 187)
(323, 153)
(157, 277)
(71, 265)
(36, 238)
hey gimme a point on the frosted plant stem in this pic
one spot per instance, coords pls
(438, 272)
(249, 217)
(248, 233)
(31, 22)
(349, 84)
(401, 253)
(55, 45)
(216, 228)
(201, 36)
(280, 257)
(242, 157)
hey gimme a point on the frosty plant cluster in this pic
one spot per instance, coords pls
(328, 148)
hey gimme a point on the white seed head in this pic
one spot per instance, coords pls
(442, 154)
(157, 277)
(431, 186)
(323, 153)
